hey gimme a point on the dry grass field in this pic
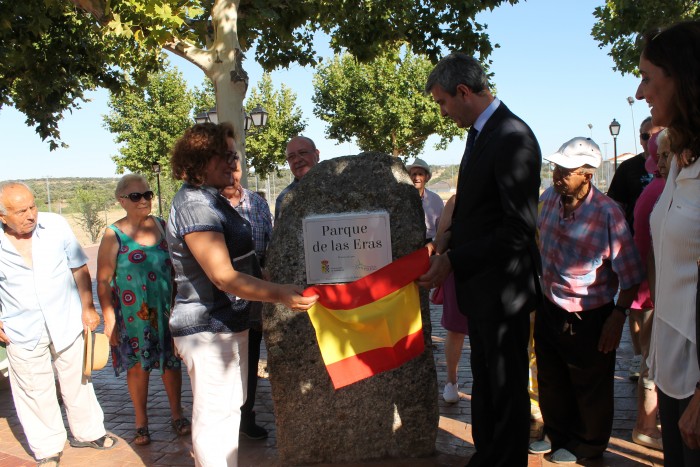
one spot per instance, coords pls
(83, 237)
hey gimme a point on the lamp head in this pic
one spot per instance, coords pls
(614, 128)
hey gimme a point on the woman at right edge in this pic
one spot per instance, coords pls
(217, 277)
(670, 70)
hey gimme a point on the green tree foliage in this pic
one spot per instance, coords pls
(52, 53)
(620, 22)
(382, 103)
(266, 147)
(55, 50)
(91, 207)
(204, 97)
(147, 122)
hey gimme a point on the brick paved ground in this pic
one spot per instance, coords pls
(453, 447)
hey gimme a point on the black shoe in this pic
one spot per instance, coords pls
(251, 429)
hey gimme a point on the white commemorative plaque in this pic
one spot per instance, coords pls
(345, 247)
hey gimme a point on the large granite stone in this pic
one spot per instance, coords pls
(394, 414)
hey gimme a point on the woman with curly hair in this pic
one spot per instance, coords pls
(218, 284)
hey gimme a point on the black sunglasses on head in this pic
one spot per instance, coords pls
(136, 197)
(645, 136)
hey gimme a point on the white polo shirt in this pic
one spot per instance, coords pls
(45, 294)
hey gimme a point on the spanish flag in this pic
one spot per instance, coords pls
(370, 325)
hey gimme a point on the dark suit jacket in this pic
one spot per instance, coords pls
(493, 253)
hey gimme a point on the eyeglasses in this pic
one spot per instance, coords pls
(562, 172)
(303, 154)
(645, 136)
(136, 197)
(230, 157)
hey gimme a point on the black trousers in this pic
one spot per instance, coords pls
(676, 452)
(575, 380)
(254, 340)
(500, 401)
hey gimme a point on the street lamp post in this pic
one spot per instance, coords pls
(257, 118)
(253, 121)
(630, 101)
(48, 192)
(207, 116)
(156, 170)
(614, 131)
(590, 127)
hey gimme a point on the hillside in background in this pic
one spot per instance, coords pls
(68, 196)
(60, 195)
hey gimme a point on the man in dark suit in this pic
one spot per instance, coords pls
(493, 255)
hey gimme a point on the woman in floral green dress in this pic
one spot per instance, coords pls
(134, 286)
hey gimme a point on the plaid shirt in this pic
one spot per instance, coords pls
(255, 210)
(586, 257)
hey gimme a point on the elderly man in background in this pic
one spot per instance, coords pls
(587, 252)
(302, 155)
(46, 304)
(253, 208)
(432, 203)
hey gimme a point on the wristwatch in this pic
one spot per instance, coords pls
(621, 309)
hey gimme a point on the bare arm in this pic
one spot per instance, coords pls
(442, 237)
(440, 265)
(3, 336)
(651, 273)
(612, 328)
(209, 249)
(106, 266)
(91, 319)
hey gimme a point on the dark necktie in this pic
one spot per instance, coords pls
(471, 137)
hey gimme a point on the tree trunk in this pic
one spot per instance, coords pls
(221, 62)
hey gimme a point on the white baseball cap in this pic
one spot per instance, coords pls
(576, 153)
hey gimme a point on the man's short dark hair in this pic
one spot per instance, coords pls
(456, 69)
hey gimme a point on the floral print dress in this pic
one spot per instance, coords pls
(141, 294)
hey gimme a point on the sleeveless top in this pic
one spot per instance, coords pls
(141, 294)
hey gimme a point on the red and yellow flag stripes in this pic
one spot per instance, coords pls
(370, 325)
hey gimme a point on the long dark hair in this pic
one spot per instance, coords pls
(676, 50)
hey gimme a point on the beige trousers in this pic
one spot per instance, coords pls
(217, 364)
(34, 394)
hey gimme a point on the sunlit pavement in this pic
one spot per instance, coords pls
(453, 447)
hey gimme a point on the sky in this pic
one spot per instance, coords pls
(548, 70)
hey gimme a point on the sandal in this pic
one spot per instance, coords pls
(48, 460)
(99, 443)
(143, 437)
(182, 426)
